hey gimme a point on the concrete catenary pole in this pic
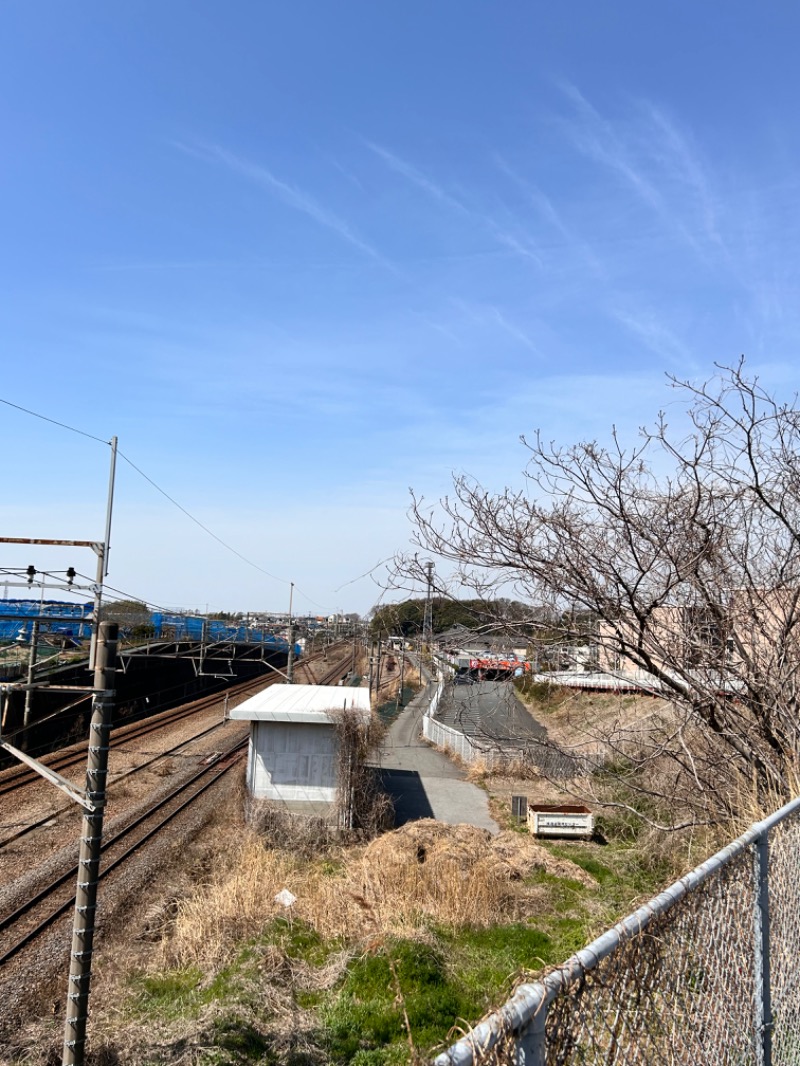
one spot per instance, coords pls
(80, 969)
(102, 551)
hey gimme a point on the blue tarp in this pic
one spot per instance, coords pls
(189, 627)
(23, 612)
(172, 626)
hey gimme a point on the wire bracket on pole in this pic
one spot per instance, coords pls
(71, 790)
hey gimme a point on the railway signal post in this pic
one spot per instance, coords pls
(80, 969)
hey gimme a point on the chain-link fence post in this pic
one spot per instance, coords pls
(532, 1043)
(762, 946)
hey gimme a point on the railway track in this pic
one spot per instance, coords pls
(19, 777)
(25, 923)
(38, 913)
(331, 675)
(114, 779)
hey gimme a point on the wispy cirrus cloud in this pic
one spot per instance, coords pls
(544, 206)
(291, 195)
(516, 241)
(416, 177)
(647, 327)
(601, 140)
(672, 148)
(651, 155)
(511, 329)
(491, 315)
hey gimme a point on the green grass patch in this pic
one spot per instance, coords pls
(363, 1020)
(625, 874)
(169, 995)
(299, 941)
(484, 961)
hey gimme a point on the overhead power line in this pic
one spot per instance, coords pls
(197, 521)
(52, 421)
(164, 493)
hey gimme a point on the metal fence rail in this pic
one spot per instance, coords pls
(706, 974)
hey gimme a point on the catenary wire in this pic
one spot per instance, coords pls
(166, 495)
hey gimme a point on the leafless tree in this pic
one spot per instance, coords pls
(684, 551)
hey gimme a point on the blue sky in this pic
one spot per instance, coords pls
(301, 257)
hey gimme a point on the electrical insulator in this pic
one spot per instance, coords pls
(70, 575)
(31, 572)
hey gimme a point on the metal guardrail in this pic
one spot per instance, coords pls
(705, 974)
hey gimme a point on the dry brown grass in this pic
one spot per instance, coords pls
(396, 886)
(478, 770)
(577, 717)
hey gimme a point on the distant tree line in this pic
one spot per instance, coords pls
(407, 618)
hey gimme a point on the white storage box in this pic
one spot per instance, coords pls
(567, 820)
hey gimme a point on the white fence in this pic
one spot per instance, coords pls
(444, 736)
(544, 756)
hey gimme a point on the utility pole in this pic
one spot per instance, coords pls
(290, 659)
(427, 624)
(378, 671)
(80, 970)
(402, 671)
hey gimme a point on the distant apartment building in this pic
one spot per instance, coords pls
(748, 630)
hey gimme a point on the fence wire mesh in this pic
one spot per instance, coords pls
(679, 992)
(707, 974)
(784, 910)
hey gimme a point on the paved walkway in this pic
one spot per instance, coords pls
(423, 783)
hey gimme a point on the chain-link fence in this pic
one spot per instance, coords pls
(706, 974)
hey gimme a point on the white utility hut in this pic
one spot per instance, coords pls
(294, 747)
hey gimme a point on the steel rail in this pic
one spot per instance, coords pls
(234, 754)
(123, 733)
(114, 778)
(134, 731)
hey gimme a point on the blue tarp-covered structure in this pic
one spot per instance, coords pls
(189, 627)
(68, 619)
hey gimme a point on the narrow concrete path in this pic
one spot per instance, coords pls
(422, 782)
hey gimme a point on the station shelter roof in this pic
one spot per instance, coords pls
(302, 703)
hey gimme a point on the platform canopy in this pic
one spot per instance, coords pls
(302, 703)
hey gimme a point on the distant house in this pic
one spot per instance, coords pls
(459, 641)
(294, 753)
